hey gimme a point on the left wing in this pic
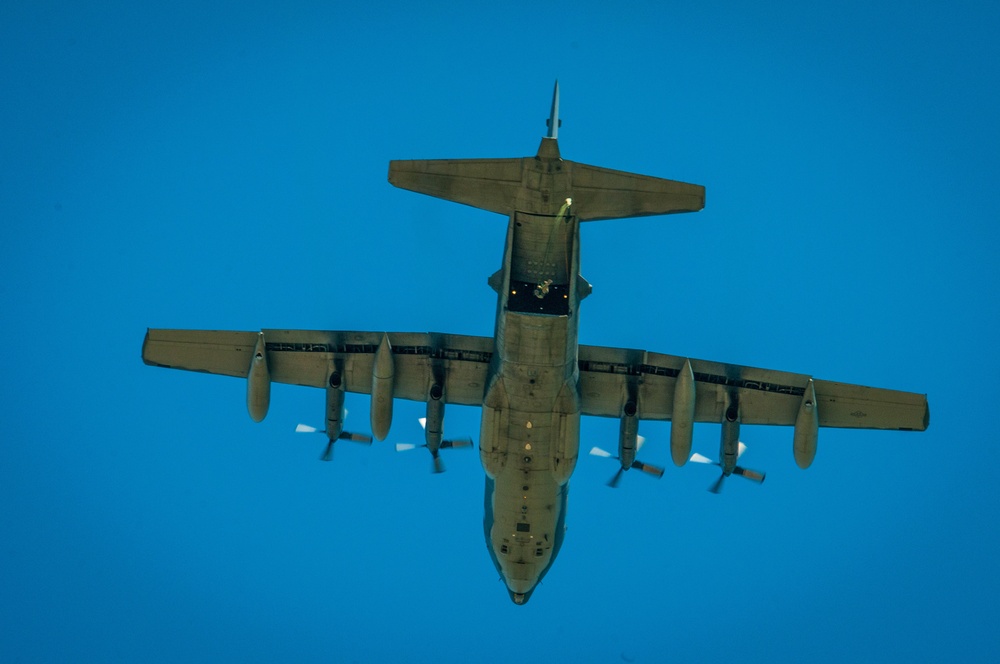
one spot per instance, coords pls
(609, 375)
(309, 358)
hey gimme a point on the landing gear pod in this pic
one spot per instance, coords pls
(682, 420)
(806, 428)
(259, 382)
(383, 375)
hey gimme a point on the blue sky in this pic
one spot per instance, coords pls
(225, 168)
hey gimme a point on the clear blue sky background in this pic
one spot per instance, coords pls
(225, 168)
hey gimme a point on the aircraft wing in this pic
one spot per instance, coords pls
(299, 357)
(608, 375)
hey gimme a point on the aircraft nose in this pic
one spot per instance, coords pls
(520, 598)
(521, 580)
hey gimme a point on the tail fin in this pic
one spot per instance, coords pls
(553, 123)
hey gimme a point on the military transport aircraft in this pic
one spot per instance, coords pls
(532, 379)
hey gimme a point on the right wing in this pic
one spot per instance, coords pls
(299, 357)
(766, 396)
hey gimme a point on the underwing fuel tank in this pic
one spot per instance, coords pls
(259, 382)
(383, 374)
(806, 428)
(682, 419)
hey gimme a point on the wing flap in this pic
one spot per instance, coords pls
(303, 357)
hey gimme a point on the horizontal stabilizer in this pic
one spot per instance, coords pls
(601, 193)
(488, 184)
(529, 185)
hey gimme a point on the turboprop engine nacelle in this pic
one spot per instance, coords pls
(628, 434)
(258, 382)
(383, 375)
(806, 428)
(334, 406)
(682, 419)
(434, 422)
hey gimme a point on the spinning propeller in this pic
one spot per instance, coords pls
(655, 471)
(445, 444)
(345, 435)
(755, 475)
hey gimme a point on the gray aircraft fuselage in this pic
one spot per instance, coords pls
(529, 441)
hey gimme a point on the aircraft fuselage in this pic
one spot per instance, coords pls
(529, 440)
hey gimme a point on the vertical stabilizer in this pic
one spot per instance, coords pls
(554, 122)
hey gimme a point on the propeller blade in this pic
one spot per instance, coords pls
(458, 442)
(438, 465)
(405, 447)
(740, 450)
(649, 468)
(328, 454)
(356, 437)
(423, 422)
(614, 480)
(597, 451)
(755, 475)
(305, 428)
(639, 442)
(717, 487)
(698, 458)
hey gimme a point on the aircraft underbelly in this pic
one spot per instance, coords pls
(530, 435)
(529, 458)
(529, 443)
